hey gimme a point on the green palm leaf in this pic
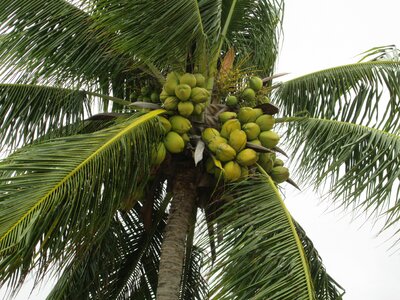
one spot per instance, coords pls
(28, 112)
(60, 196)
(261, 255)
(352, 93)
(326, 288)
(252, 28)
(160, 32)
(56, 40)
(361, 164)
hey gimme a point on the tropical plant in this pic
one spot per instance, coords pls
(120, 206)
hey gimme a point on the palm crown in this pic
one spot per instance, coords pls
(105, 201)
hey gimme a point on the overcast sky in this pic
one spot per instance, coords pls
(321, 34)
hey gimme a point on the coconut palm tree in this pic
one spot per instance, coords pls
(81, 196)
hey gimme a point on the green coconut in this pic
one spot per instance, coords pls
(278, 162)
(266, 160)
(229, 126)
(248, 114)
(249, 95)
(198, 109)
(199, 95)
(185, 108)
(163, 95)
(158, 154)
(200, 80)
(188, 79)
(231, 101)
(171, 103)
(171, 82)
(214, 143)
(279, 174)
(173, 142)
(145, 90)
(266, 122)
(226, 115)
(165, 123)
(269, 139)
(183, 91)
(237, 139)
(209, 133)
(247, 157)
(154, 97)
(224, 152)
(255, 83)
(252, 130)
(180, 124)
(232, 171)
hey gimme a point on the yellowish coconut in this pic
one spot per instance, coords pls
(247, 157)
(225, 153)
(173, 142)
(238, 140)
(180, 124)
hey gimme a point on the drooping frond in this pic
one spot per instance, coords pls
(326, 288)
(159, 32)
(261, 255)
(55, 39)
(366, 93)
(28, 112)
(60, 196)
(252, 29)
(126, 251)
(361, 164)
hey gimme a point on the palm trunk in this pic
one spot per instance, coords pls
(173, 248)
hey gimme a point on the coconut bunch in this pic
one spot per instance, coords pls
(232, 147)
(146, 94)
(249, 94)
(185, 94)
(176, 137)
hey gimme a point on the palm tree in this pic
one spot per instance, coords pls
(81, 198)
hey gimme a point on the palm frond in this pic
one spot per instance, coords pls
(159, 32)
(360, 164)
(60, 196)
(126, 250)
(56, 40)
(326, 288)
(28, 112)
(353, 93)
(261, 255)
(253, 30)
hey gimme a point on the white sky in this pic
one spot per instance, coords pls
(321, 34)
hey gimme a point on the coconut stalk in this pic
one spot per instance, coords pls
(173, 247)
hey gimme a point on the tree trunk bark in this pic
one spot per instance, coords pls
(173, 247)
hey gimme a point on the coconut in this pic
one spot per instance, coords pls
(209, 133)
(200, 80)
(269, 139)
(165, 123)
(266, 122)
(185, 138)
(214, 143)
(173, 142)
(247, 157)
(210, 166)
(198, 109)
(278, 162)
(171, 82)
(180, 124)
(154, 97)
(188, 79)
(266, 160)
(226, 115)
(224, 152)
(255, 83)
(163, 95)
(229, 126)
(171, 103)
(279, 174)
(232, 171)
(249, 94)
(158, 154)
(231, 101)
(248, 114)
(185, 108)
(255, 142)
(199, 95)
(244, 171)
(252, 130)
(145, 91)
(237, 139)
(183, 91)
